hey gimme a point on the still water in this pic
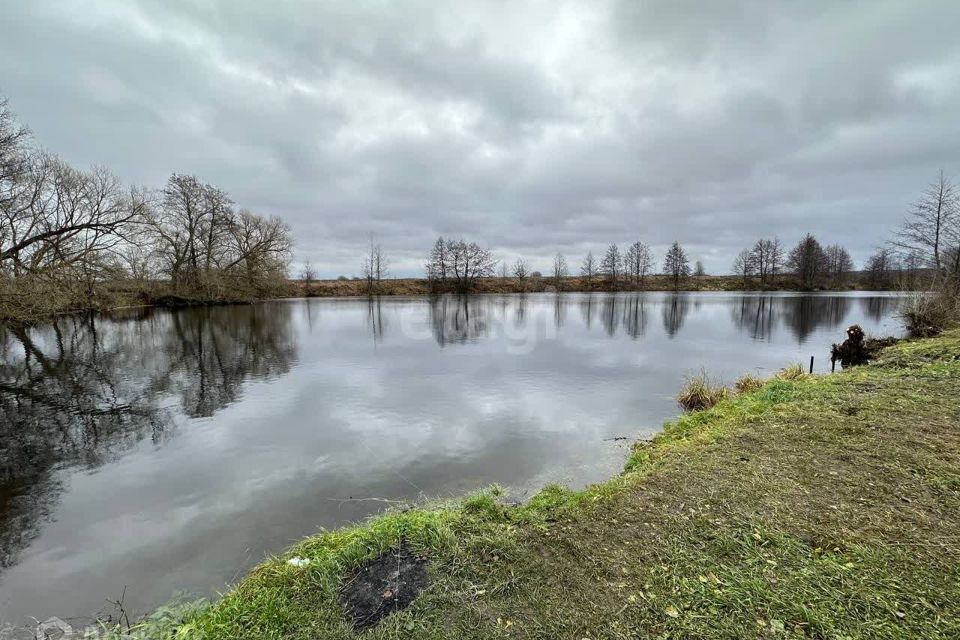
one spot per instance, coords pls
(167, 452)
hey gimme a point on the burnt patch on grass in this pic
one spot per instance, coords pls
(388, 583)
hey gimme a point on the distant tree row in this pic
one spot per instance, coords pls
(928, 240)
(457, 265)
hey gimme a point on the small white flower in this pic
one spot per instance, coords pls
(298, 562)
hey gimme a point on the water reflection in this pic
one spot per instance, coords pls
(80, 391)
(375, 318)
(804, 315)
(635, 316)
(879, 307)
(169, 450)
(459, 319)
(755, 315)
(559, 310)
(675, 310)
(587, 309)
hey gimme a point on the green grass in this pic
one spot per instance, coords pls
(810, 507)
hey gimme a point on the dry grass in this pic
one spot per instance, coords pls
(926, 315)
(793, 372)
(700, 393)
(747, 383)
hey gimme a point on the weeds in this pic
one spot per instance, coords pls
(927, 314)
(747, 383)
(700, 393)
(793, 372)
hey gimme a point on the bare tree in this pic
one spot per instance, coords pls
(745, 264)
(559, 268)
(58, 218)
(880, 268)
(808, 261)
(931, 222)
(308, 275)
(374, 266)
(638, 262)
(760, 257)
(676, 264)
(612, 264)
(460, 263)
(911, 264)
(14, 157)
(838, 263)
(767, 258)
(520, 269)
(258, 246)
(698, 270)
(438, 263)
(775, 258)
(589, 267)
(206, 247)
(65, 231)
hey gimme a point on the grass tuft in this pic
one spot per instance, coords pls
(700, 393)
(793, 372)
(747, 384)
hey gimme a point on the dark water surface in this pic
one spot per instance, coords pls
(169, 451)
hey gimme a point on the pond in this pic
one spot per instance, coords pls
(167, 452)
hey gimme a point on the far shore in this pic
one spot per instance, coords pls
(118, 296)
(544, 284)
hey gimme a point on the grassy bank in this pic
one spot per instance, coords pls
(824, 507)
(38, 301)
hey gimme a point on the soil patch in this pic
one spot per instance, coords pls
(383, 585)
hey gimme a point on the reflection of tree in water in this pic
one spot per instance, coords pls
(805, 314)
(211, 351)
(62, 404)
(375, 318)
(802, 315)
(756, 315)
(616, 310)
(675, 309)
(80, 392)
(457, 319)
(520, 312)
(559, 310)
(635, 315)
(587, 308)
(608, 313)
(878, 307)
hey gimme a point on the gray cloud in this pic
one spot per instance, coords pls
(532, 128)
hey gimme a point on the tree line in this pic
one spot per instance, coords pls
(927, 243)
(73, 238)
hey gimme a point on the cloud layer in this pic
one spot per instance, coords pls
(530, 127)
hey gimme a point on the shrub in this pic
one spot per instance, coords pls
(700, 393)
(747, 383)
(927, 314)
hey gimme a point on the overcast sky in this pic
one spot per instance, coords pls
(530, 127)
